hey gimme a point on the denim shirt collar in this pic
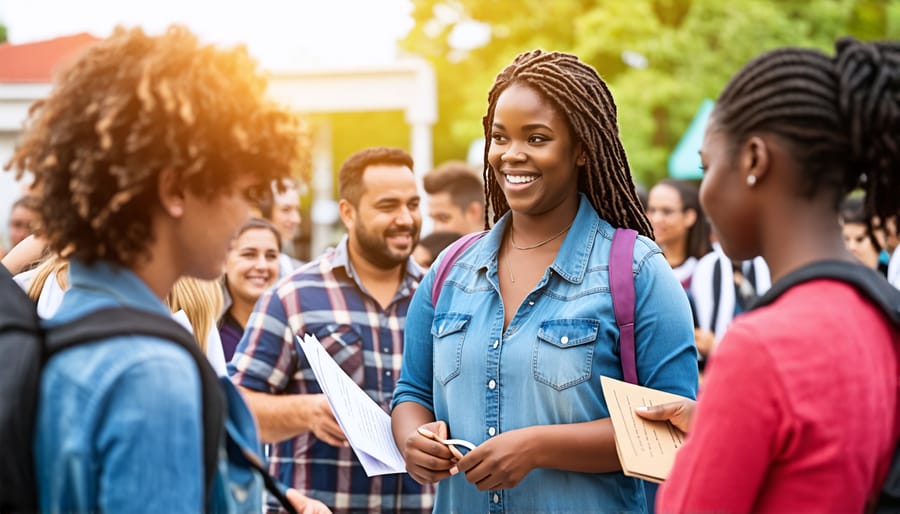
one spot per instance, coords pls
(571, 261)
(114, 281)
(340, 258)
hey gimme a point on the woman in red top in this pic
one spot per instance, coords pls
(798, 407)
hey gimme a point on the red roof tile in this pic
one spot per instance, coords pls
(38, 61)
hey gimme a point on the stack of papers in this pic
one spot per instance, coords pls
(366, 425)
(646, 448)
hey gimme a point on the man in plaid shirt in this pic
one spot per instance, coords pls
(354, 298)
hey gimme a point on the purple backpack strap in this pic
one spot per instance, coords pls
(621, 284)
(453, 252)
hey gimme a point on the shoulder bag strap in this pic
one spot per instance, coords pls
(716, 293)
(866, 280)
(123, 321)
(450, 255)
(621, 283)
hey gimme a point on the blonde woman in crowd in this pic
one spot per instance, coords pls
(251, 267)
(199, 302)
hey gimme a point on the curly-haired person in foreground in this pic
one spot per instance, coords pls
(146, 156)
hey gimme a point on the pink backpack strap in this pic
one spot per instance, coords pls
(453, 252)
(621, 284)
(621, 281)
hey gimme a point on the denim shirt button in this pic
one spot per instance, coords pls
(492, 384)
(496, 498)
(492, 431)
(564, 339)
(496, 343)
(531, 302)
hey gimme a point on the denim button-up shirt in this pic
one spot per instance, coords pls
(119, 422)
(545, 367)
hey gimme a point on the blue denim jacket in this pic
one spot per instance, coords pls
(545, 367)
(119, 423)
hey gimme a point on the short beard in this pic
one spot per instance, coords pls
(375, 249)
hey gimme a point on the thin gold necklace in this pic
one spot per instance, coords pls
(512, 239)
(512, 278)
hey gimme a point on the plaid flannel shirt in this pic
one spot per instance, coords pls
(326, 299)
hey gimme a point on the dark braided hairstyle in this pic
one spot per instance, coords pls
(581, 96)
(840, 116)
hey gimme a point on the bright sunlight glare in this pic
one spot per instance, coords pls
(281, 34)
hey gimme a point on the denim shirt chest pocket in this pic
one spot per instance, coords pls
(564, 352)
(448, 332)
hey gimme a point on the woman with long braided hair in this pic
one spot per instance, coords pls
(799, 408)
(510, 355)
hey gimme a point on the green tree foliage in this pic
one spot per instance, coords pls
(690, 47)
(353, 131)
(2, 33)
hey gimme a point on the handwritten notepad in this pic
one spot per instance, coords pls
(646, 448)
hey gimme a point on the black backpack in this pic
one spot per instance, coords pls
(26, 347)
(873, 285)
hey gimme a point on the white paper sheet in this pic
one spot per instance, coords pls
(366, 425)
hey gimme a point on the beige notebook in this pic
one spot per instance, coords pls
(646, 448)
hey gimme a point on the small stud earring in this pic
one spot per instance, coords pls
(751, 180)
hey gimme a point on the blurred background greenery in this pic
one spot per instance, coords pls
(661, 59)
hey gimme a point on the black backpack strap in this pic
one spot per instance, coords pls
(876, 287)
(20, 344)
(716, 294)
(253, 461)
(889, 496)
(866, 280)
(18, 311)
(124, 321)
